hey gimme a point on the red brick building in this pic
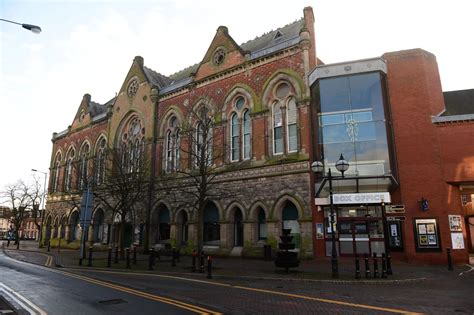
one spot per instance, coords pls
(275, 109)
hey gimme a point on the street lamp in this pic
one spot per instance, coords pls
(35, 29)
(317, 167)
(42, 202)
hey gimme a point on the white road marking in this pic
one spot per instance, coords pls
(21, 300)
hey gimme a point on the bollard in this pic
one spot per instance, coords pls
(209, 267)
(151, 259)
(116, 255)
(450, 259)
(357, 267)
(384, 266)
(193, 266)
(134, 255)
(49, 246)
(109, 257)
(367, 265)
(89, 263)
(389, 264)
(127, 252)
(173, 257)
(376, 266)
(201, 262)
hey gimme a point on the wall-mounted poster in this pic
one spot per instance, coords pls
(427, 235)
(455, 224)
(457, 240)
(319, 231)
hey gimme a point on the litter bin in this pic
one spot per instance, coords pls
(267, 252)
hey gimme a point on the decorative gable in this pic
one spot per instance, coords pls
(83, 117)
(223, 53)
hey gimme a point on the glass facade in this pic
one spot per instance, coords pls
(351, 118)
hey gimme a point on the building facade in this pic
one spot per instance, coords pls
(275, 109)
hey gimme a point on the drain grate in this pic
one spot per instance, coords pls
(112, 301)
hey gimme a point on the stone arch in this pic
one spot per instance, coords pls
(56, 227)
(97, 143)
(206, 102)
(212, 216)
(171, 111)
(74, 229)
(131, 114)
(253, 213)
(98, 225)
(229, 212)
(243, 90)
(288, 76)
(280, 204)
(160, 224)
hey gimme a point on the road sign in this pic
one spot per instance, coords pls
(395, 209)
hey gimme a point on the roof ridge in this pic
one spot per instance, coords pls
(272, 31)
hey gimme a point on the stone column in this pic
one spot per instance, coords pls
(173, 230)
(249, 233)
(224, 231)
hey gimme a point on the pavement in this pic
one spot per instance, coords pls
(238, 268)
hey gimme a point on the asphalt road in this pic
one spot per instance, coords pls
(41, 290)
(91, 291)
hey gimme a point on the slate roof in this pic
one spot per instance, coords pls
(265, 44)
(458, 102)
(156, 78)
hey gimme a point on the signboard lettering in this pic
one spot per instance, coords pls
(378, 197)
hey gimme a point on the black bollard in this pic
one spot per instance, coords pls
(450, 259)
(49, 246)
(376, 266)
(127, 252)
(89, 263)
(116, 255)
(209, 267)
(201, 262)
(384, 266)
(193, 266)
(109, 257)
(389, 264)
(367, 265)
(134, 255)
(151, 259)
(357, 267)
(173, 257)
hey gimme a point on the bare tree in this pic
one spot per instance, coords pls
(36, 195)
(124, 190)
(194, 185)
(18, 198)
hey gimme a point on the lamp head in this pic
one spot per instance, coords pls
(317, 167)
(342, 165)
(35, 29)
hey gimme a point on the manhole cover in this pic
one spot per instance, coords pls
(112, 301)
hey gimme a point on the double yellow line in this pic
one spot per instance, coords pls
(190, 307)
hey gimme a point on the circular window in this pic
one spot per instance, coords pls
(239, 102)
(282, 90)
(82, 116)
(132, 87)
(219, 57)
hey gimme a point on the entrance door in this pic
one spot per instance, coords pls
(354, 238)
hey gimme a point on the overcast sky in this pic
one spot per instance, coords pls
(88, 47)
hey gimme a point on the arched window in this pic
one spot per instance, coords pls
(285, 119)
(173, 145)
(262, 225)
(240, 131)
(100, 161)
(84, 166)
(69, 170)
(203, 144)
(211, 226)
(55, 172)
(132, 145)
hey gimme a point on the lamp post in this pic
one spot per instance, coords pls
(33, 28)
(317, 167)
(43, 203)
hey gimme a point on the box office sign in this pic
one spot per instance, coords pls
(377, 197)
(427, 235)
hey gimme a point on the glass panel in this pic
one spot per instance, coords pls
(291, 113)
(365, 91)
(292, 138)
(346, 247)
(278, 140)
(376, 229)
(282, 90)
(246, 128)
(276, 115)
(331, 119)
(334, 94)
(239, 103)
(329, 248)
